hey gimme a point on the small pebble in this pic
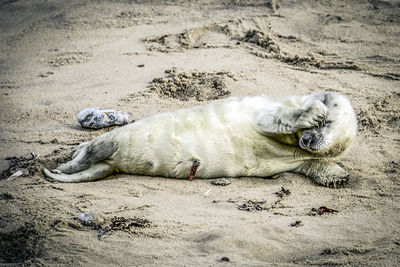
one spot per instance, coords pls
(296, 224)
(221, 182)
(225, 259)
(97, 118)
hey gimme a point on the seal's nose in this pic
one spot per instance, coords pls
(306, 139)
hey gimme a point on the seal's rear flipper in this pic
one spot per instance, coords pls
(94, 172)
(88, 154)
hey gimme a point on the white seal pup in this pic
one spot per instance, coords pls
(251, 136)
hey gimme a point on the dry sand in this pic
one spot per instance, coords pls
(147, 57)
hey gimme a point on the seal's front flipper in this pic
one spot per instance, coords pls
(94, 172)
(290, 120)
(323, 172)
(312, 116)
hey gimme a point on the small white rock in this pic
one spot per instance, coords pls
(87, 218)
(91, 218)
(97, 117)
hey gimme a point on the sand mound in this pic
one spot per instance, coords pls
(201, 86)
(187, 85)
(68, 58)
(382, 113)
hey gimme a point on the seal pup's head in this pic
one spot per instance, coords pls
(337, 133)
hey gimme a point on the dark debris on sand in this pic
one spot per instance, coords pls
(28, 166)
(122, 224)
(322, 210)
(251, 205)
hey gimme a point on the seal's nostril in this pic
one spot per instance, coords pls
(307, 139)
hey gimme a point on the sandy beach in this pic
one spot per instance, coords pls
(149, 57)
